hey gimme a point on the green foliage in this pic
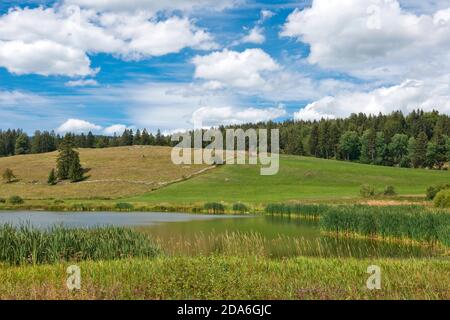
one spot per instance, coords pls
(22, 144)
(432, 191)
(15, 200)
(367, 191)
(411, 222)
(240, 207)
(312, 211)
(214, 207)
(2, 200)
(68, 162)
(26, 245)
(124, 206)
(442, 199)
(349, 145)
(418, 150)
(52, 179)
(8, 175)
(389, 191)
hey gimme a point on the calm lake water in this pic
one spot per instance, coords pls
(191, 234)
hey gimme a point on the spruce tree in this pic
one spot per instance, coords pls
(22, 144)
(75, 169)
(314, 140)
(418, 150)
(52, 179)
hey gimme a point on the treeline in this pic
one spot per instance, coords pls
(16, 142)
(419, 139)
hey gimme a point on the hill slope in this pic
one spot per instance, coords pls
(112, 172)
(299, 178)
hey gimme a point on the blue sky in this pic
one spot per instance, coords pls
(78, 65)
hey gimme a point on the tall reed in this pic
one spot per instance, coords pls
(29, 245)
(306, 210)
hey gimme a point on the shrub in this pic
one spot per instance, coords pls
(214, 207)
(442, 199)
(15, 200)
(52, 179)
(240, 207)
(8, 176)
(389, 191)
(2, 200)
(58, 201)
(124, 206)
(432, 191)
(367, 191)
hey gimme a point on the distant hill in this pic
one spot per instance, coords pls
(299, 178)
(111, 172)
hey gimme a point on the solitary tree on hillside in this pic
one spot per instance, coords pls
(8, 175)
(68, 162)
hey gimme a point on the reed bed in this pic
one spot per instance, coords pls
(251, 244)
(29, 245)
(410, 222)
(305, 210)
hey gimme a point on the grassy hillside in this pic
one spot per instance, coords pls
(112, 172)
(299, 178)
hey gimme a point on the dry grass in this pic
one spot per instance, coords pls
(111, 172)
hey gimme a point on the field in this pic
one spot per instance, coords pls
(112, 173)
(299, 178)
(219, 277)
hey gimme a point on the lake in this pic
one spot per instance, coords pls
(193, 234)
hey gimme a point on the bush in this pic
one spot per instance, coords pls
(8, 175)
(2, 200)
(389, 191)
(15, 200)
(432, 191)
(214, 207)
(58, 201)
(367, 191)
(442, 199)
(124, 206)
(240, 207)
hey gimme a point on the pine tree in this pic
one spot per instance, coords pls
(90, 140)
(75, 170)
(22, 144)
(66, 158)
(418, 150)
(145, 138)
(52, 179)
(137, 140)
(314, 140)
(368, 146)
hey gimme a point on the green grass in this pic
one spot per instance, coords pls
(299, 178)
(402, 222)
(218, 277)
(28, 245)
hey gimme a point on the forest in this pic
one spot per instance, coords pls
(419, 139)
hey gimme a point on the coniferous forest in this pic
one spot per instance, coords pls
(419, 139)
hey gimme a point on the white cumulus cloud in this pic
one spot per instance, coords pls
(77, 126)
(238, 69)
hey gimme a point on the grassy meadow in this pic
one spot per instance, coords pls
(224, 277)
(110, 173)
(124, 264)
(299, 179)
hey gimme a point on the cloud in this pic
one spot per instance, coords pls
(44, 58)
(82, 83)
(67, 35)
(256, 35)
(16, 97)
(266, 14)
(373, 38)
(154, 5)
(431, 94)
(215, 116)
(237, 69)
(77, 126)
(117, 129)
